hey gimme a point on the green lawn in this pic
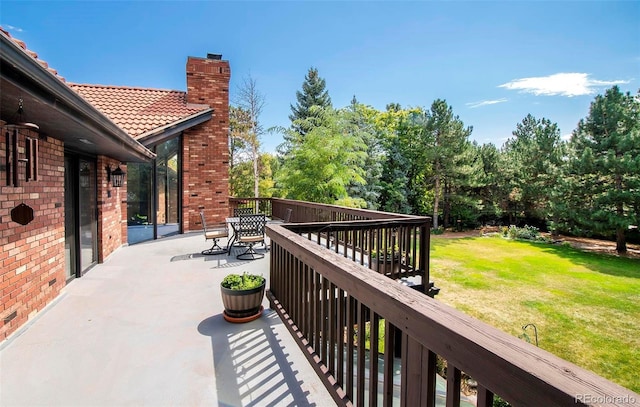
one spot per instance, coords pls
(586, 306)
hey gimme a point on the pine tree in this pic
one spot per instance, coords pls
(534, 155)
(359, 122)
(313, 94)
(604, 169)
(443, 139)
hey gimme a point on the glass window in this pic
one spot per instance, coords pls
(139, 202)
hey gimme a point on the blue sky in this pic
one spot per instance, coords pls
(493, 62)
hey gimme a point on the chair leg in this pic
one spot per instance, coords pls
(250, 254)
(215, 249)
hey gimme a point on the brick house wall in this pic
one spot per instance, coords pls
(32, 257)
(112, 210)
(205, 146)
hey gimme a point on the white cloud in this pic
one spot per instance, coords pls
(12, 28)
(562, 84)
(473, 105)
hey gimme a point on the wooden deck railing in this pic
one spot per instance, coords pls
(257, 205)
(308, 211)
(396, 248)
(388, 243)
(336, 309)
(355, 324)
(303, 212)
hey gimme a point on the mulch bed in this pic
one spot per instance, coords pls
(582, 243)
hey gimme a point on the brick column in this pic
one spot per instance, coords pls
(205, 147)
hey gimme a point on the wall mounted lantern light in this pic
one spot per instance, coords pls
(19, 129)
(85, 176)
(116, 177)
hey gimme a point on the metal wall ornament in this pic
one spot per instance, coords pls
(116, 177)
(22, 214)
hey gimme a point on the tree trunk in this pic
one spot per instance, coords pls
(256, 175)
(436, 191)
(446, 209)
(621, 241)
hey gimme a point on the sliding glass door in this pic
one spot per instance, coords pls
(168, 191)
(81, 223)
(153, 194)
(140, 208)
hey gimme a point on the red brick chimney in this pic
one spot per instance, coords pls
(205, 146)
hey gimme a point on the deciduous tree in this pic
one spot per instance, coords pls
(322, 163)
(251, 102)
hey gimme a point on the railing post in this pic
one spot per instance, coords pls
(424, 254)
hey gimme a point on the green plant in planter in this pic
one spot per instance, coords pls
(243, 281)
(386, 254)
(386, 261)
(242, 296)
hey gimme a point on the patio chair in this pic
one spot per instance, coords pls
(251, 231)
(242, 211)
(215, 235)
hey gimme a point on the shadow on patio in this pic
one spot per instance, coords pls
(252, 365)
(146, 328)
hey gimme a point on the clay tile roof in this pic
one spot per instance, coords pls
(138, 110)
(32, 54)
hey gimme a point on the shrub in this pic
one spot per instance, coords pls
(524, 233)
(242, 282)
(498, 402)
(391, 251)
(437, 231)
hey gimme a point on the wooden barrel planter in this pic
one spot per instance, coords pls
(240, 304)
(386, 265)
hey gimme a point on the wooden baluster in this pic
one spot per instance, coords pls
(361, 354)
(453, 385)
(341, 336)
(485, 397)
(331, 320)
(351, 309)
(389, 348)
(373, 358)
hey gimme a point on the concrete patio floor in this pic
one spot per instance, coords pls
(145, 328)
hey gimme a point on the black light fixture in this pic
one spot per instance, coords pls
(19, 129)
(19, 119)
(116, 177)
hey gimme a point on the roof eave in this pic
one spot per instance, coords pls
(163, 133)
(66, 99)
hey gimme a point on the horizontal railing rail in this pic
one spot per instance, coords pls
(314, 212)
(303, 211)
(349, 321)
